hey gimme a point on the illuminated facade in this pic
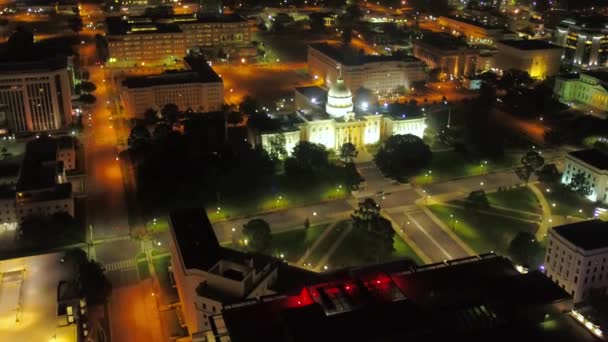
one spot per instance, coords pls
(36, 96)
(475, 32)
(585, 41)
(540, 59)
(589, 89)
(335, 123)
(448, 54)
(382, 75)
(577, 257)
(199, 89)
(594, 165)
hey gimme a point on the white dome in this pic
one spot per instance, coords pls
(339, 100)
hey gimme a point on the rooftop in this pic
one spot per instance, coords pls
(474, 299)
(593, 157)
(442, 40)
(475, 22)
(588, 235)
(529, 44)
(39, 167)
(347, 55)
(119, 26)
(602, 76)
(41, 65)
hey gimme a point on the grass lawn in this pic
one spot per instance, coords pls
(324, 246)
(451, 164)
(142, 269)
(517, 199)
(348, 253)
(567, 203)
(161, 267)
(293, 244)
(482, 232)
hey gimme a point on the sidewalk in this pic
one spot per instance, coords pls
(322, 237)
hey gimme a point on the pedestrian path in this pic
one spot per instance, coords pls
(323, 261)
(541, 232)
(310, 249)
(120, 265)
(114, 239)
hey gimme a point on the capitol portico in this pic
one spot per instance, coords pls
(336, 123)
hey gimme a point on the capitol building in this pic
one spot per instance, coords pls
(329, 118)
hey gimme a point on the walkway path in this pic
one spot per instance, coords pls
(323, 261)
(321, 237)
(493, 213)
(546, 212)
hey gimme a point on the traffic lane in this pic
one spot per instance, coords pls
(466, 185)
(114, 251)
(418, 236)
(448, 248)
(398, 198)
(287, 219)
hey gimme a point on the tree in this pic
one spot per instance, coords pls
(150, 116)
(170, 112)
(380, 233)
(531, 163)
(514, 79)
(317, 21)
(477, 200)
(579, 183)
(257, 234)
(20, 44)
(307, 159)
(95, 285)
(367, 212)
(87, 99)
(75, 24)
(161, 132)
(548, 174)
(348, 152)
(352, 178)
(139, 136)
(277, 147)
(87, 87)
(525, 250)
(402, 156)
(347, 22)
(5, 153)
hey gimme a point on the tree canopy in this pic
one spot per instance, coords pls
(580, 184)
(307, 159)
(348, 151)
(257, 233)
(402, 156)
(525, 250)
(380, 232)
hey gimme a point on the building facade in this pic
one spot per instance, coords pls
(199, 89)
(594, 165)
(540, 59)
(589, 89)
(335, 123)
(585, 42)
(36, 96)
(476, 32)
(448, 54)
(382, 75)
(142, 41)
(577, 257)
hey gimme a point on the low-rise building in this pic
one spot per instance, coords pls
(538, 58)
(382, 75)
(199, 88)
(475, 31)
(452, 56)
(577, 257)
(587, 89)
(594, 165)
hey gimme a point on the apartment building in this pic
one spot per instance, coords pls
(594, 165)
(577, 257)
(382, 75)
(36, 95)
(198, 88)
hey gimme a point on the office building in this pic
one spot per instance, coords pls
(36, 95)
(577, 257)
(143, 41)
(329, 118)
(383, 75)
(453, 57)
(538, 58)
(199, 88)
(585, 41)
(594, 165)
(588, 89)
(475, 31)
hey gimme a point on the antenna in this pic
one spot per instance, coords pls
(339, 67)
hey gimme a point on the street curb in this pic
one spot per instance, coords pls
(407, 239)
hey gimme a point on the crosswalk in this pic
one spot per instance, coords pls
(116, 238)
(120, 265)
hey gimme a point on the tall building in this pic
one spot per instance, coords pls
(382, 75)
(593, 164)
(577, 257)
(588, 89)
(143, 41)
(452, 56)
(540, 59)
(585, 41)
(328, 118)
(36, 95)
(198, 88)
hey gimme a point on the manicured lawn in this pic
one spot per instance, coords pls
(348, 253)
(517, 199)
(142, 269)
(451, 164)
(324, 246)
(293, 244)
(566, 203)
(483, 232)
(168, 292)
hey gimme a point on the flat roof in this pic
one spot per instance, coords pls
(347, 55)
(441, 40)
(39, 166)
(592, 157)
(195, 238)
(600, 75)
(200, 72)
(118, 26)
(529, 44)
(41, 65)
(475, 22)
(588, 235)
